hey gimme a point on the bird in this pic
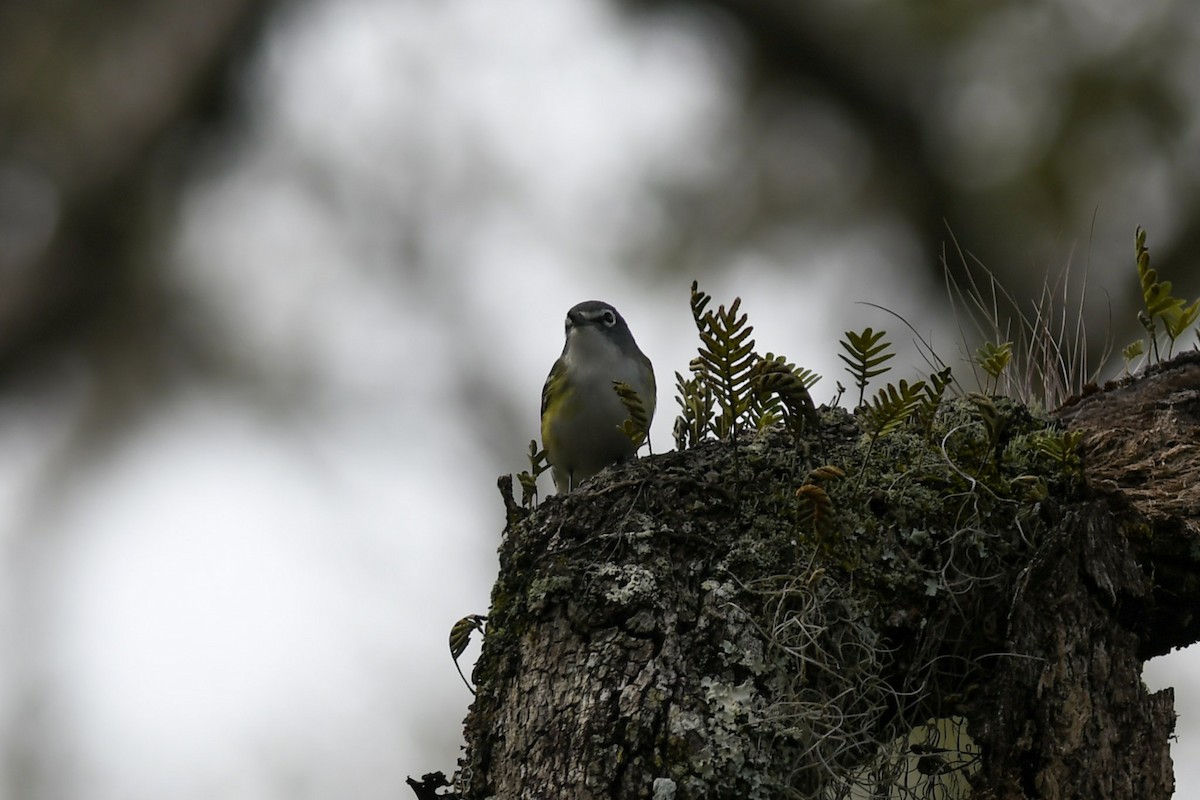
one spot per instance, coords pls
(581, 412)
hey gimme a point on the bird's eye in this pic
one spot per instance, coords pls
(609, 318)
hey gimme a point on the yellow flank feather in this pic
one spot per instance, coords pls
(555, 394)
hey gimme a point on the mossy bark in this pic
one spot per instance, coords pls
(971, 620)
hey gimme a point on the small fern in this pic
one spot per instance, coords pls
(1062, 448)
(460, 637)
(637, 425)
(528, 479)
(698, 301)
(994, 422)
(1176, 314)
(1135, 349)
(892, 407)
(726, 356)
(994, 359)
(889, 409)
(773, 377)
(935, 390)
(815, 510)
(696, 405)
(825, 472)
(732, 388)
(868, 353)
(815, 507)
(766, 407)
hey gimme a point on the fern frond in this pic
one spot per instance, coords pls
(698, 301)
(1181, 319)
(935, 391)
(727, 378)
(460, 633)
(924, 346)
(766, 407)
(807, 377)
(637, 425)
(1063, 448)
(1175, 312)
(892, 407)
(825, 472)
(696, 404)
(726, 356)
(815, 506)
(994, 422)
(994, 359)
(528, 479)
(529, 491)
(1133, 350)
(460, 637)
(868, 352)
(1155, 294)
(774, 378)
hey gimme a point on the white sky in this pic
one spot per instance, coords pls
(250, 598)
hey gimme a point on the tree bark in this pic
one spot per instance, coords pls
(967, 617)
(1142, 449)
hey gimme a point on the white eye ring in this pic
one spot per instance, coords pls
(609, 318)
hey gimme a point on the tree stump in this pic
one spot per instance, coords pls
(967, 615)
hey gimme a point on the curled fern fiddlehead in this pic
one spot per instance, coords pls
(815, 510)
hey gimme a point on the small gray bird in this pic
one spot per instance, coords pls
(581, 413)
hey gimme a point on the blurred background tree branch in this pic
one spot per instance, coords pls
(103, 109)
